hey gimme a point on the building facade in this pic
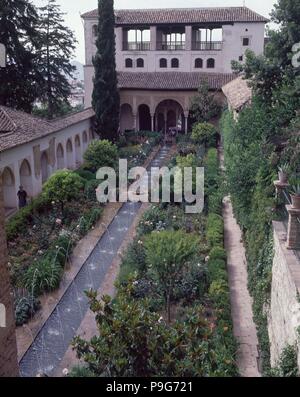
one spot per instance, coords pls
(31, 149)
(164, 55)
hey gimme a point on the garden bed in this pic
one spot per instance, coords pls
(182, 303)
(82, 250)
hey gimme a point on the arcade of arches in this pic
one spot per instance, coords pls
(31, 171)
(152, 111)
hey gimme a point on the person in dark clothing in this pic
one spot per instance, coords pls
(22, 196)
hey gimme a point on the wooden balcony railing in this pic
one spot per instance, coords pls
(133, 46)
(207, 45)
(170, 46)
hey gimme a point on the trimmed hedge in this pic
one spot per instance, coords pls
(215, 234)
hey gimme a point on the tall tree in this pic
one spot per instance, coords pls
(286, 14)
(19, 33)
(204, 105)
(106, 98)
(56, 50)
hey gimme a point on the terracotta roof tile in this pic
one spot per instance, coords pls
(28, 128)
(182, 15)
(172, 80)
(6, 123)
(238, 93)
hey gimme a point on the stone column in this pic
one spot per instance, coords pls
(152, 122)
(293, 238)
(186, 118)
(188, 38)
(153, 37)
(8, 346)
(135, 121)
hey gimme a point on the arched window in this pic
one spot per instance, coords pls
(198, 63)
(128, 63)
(163, 63)
(140, 63)
(95, 30)
(210, 63)
(175, 63)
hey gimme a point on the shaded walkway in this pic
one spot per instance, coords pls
(241, 303)
(244, 328)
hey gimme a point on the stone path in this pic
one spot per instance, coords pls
(241, 302)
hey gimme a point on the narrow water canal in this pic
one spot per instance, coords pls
(52, 342)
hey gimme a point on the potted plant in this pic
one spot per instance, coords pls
(283, 172)
(295, 195)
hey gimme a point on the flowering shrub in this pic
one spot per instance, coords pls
(43, 276)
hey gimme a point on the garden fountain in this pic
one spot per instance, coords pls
(50, 345)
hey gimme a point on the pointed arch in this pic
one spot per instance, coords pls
(26, 177)
(60, 156)
(9, 188)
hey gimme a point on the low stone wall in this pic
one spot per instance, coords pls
(284, 313)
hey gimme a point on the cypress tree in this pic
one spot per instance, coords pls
(19, 34)
(106, 98)
(56, 49)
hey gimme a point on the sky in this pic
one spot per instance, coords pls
(73, 9)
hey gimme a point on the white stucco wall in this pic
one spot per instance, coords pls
(13, 158)
(232, 49)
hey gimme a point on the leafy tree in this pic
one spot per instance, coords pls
(134, 341)
(62, 187)
(57, 43)
(286, 14)
(263, 74)
(65, 109)
(106, 98)
(204, 133)
(204, 105)
(167, 256)
(101, 153)
(19, 33)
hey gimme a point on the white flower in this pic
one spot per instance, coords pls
(52, 202)
(58, 221)
(160, 319)
(207, 259)
(65, 371)
(199, 264)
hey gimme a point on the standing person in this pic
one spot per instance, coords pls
(22, 196)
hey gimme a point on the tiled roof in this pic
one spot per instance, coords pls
(28, 128)
(185, 15)
(6, 123)
(238, 93)
(171, 81)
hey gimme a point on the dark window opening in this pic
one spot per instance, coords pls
(198, 63)
(140, 63)
(128, 63)
(163, 63)
(175, 63)
(246, 41)
(210, 63)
